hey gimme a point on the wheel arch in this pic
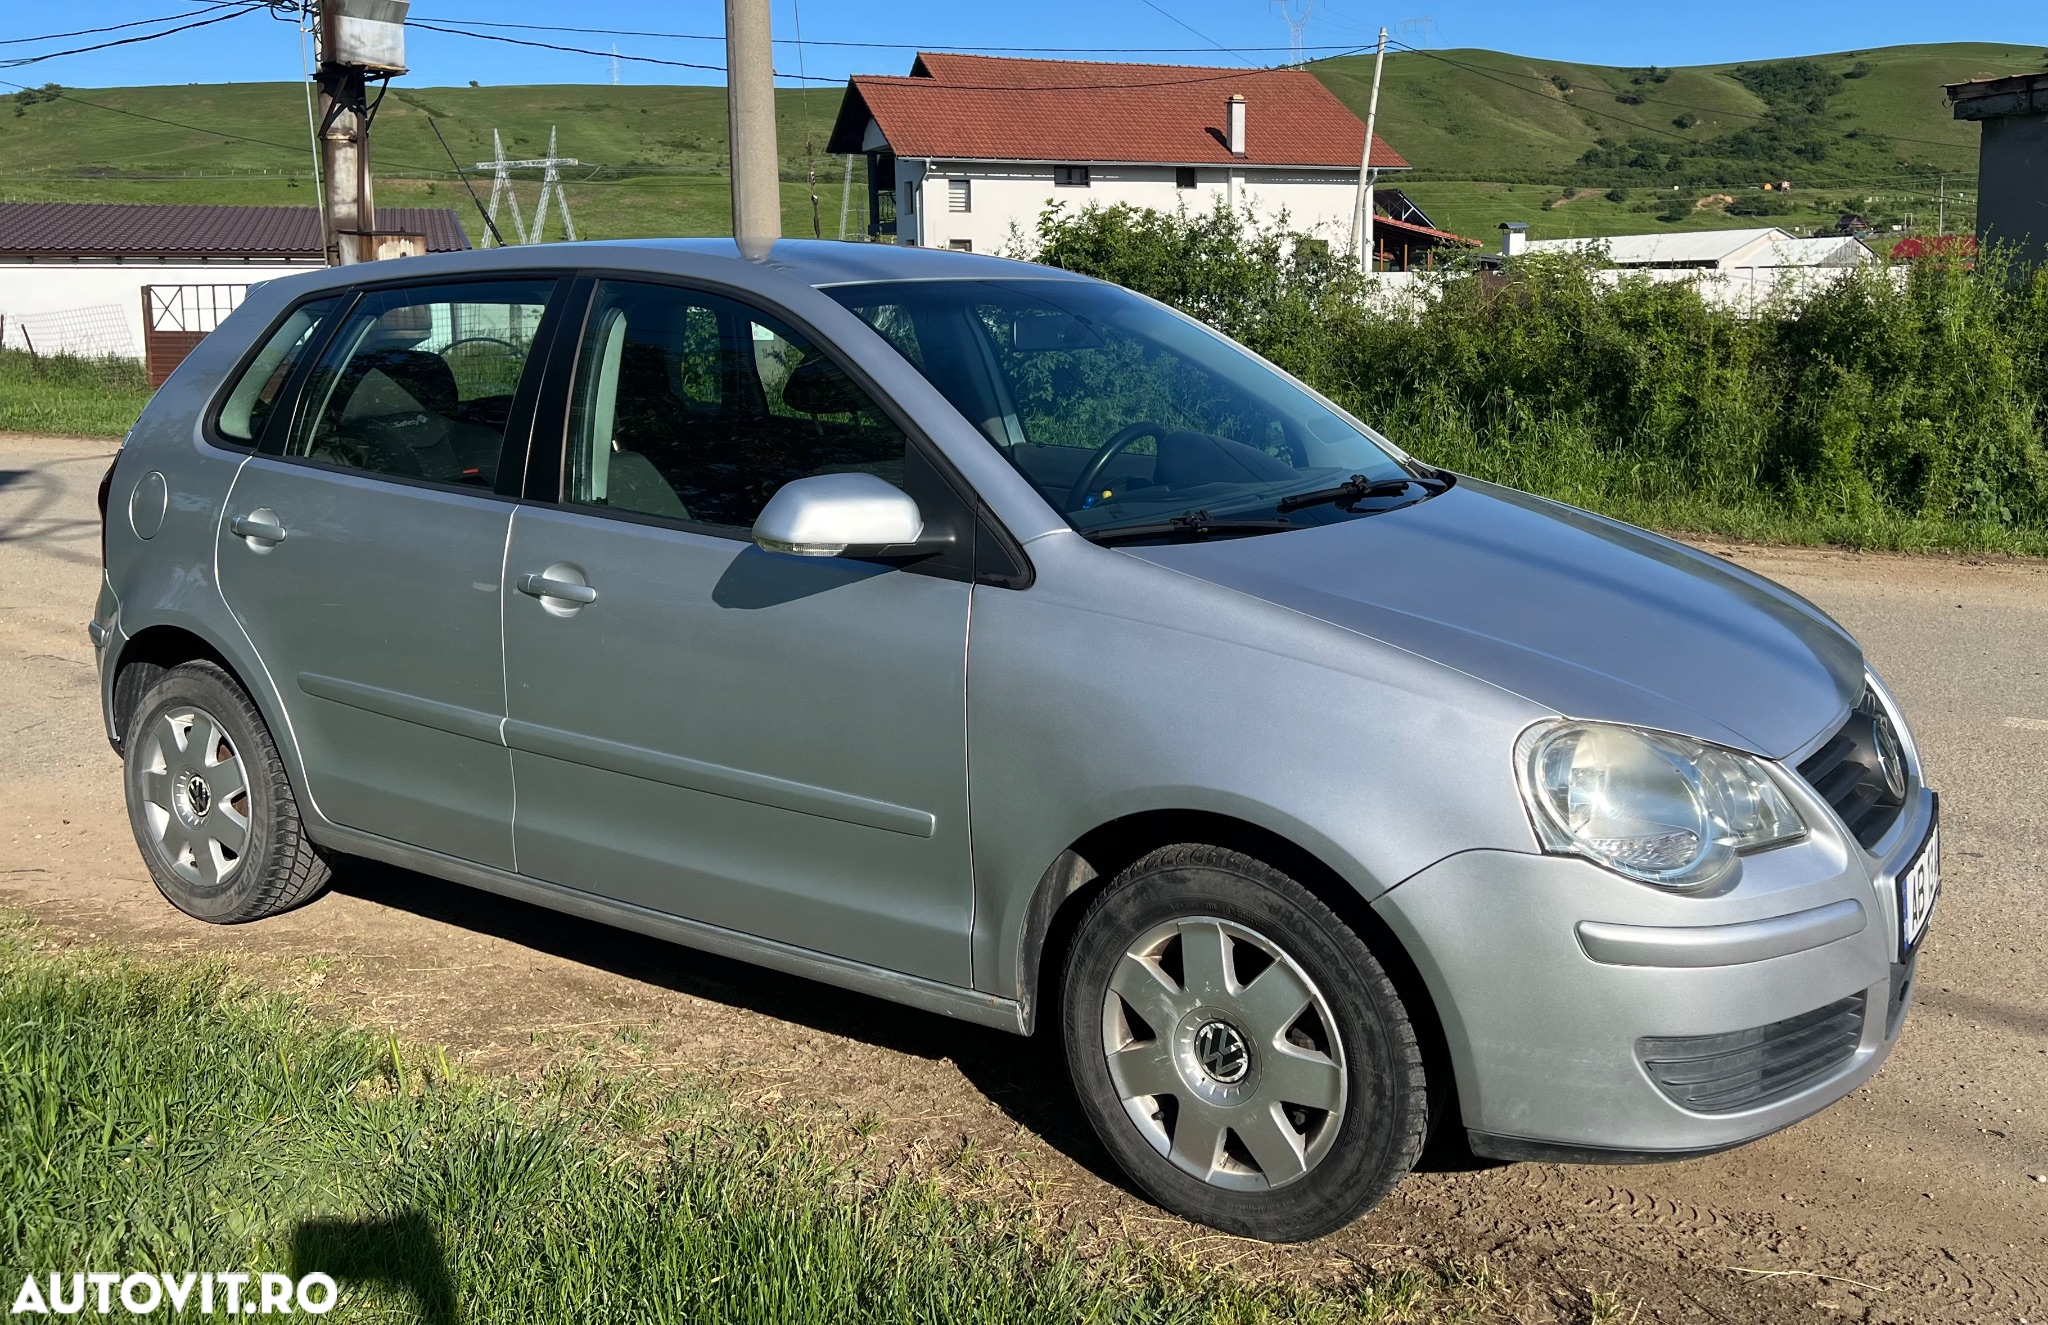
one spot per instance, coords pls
(149, 653)
(1098, 856)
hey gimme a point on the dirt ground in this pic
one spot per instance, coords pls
(1921, 1198)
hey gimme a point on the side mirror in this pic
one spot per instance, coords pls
(826, 514)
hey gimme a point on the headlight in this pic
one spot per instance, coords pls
(1656, 807)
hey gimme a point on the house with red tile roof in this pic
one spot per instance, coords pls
(967, 149)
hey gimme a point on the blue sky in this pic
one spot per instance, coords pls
(257, 47)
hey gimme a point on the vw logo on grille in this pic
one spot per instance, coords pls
(1891, 756)
(1222, 1053)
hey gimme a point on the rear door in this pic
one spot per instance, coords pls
(772, 744)
(362, 550)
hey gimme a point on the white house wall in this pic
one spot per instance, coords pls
(1003, 196)
(61, 294)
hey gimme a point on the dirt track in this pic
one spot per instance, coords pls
(1913, 1200)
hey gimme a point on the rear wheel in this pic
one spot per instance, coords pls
(1238, 1048)
(210, 804)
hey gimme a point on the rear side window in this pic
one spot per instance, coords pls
(419, 383)
(256, 392)
(697, 407)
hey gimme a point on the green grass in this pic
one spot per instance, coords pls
(163, 1118)
(1469, 120)
(66, 395)
(655, 157)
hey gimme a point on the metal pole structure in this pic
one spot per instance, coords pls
(750, 101)
(1361, 220)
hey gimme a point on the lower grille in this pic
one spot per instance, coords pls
(1744, 1069)
(1860, 771)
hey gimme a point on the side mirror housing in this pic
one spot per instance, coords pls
(827, 515)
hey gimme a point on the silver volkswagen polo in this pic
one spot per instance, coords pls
(1002, 643)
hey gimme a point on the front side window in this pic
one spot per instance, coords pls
(250, 403)
(697, 407)
(1128, 417)
(419, 383)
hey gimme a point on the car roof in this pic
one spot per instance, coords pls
(839, 262)
(814, 262)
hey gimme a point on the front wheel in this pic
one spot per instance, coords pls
(210, 804)
(1238, 1048)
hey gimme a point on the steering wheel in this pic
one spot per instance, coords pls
(1108, 451)
(455, 345)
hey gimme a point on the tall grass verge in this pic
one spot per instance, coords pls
(160, 1118)
(1894, 409)
(60, 393)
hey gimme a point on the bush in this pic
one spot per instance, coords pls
(1904, 411)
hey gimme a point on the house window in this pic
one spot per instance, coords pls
(960, 245)
(958, 199)
(1070, 177)
(1183, 177)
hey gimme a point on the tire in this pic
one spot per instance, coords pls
(1267, 1122)
(209, 802)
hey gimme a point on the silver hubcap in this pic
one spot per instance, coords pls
(195, 796)
(1224, 1054)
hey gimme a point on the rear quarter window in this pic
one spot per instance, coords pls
(260, 386)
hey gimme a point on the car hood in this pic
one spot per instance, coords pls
(1586, 616)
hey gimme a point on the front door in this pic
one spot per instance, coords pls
(772, 744)
(361, 552)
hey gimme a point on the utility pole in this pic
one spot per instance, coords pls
(1941, 205)
(1361, 221)
(750, 103)
(360, 42)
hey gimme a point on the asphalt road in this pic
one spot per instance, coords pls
(1922, 1197)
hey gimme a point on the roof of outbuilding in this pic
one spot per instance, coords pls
(993, 108)
(181, 230)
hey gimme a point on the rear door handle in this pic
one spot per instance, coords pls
(545, 586)
(260, 526)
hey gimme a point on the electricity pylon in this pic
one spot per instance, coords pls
(550, 187)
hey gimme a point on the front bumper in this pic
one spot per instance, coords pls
(1549, 974)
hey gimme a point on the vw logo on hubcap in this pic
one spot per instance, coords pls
(197, 794)
(1222, 1053)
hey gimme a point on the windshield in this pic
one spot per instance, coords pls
(1130, 419)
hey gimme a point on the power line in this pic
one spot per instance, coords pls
(1191, 28)
(1222, 76)
(124, 41)
(113, 27)
(888, 45)
(294, 149)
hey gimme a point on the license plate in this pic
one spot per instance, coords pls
(1919, 886)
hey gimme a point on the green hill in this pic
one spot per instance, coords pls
(655, 157)
(1495, 136)
(1569, 148)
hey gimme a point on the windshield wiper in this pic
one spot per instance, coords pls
(1196, 524)
(1356, 489)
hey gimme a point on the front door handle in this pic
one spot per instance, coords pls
(260, 526)
(548, 586)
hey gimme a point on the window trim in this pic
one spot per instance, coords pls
(516, 444)
(288, 397)
(547, 462)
